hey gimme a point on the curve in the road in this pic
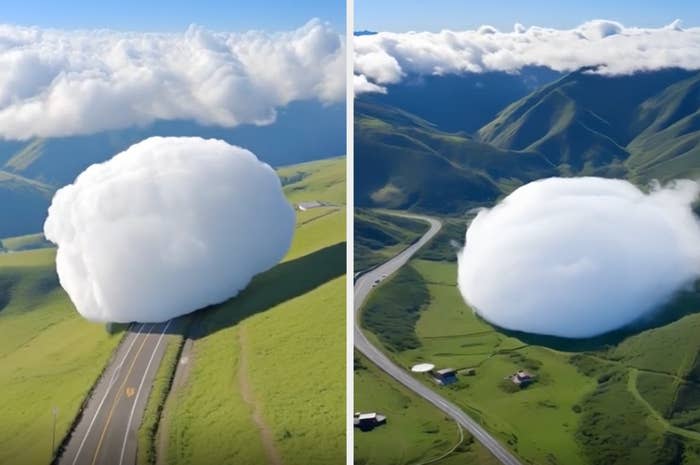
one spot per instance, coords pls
(363, 285)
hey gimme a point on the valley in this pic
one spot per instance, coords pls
(622, 398)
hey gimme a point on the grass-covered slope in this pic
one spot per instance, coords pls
(379, 236)
(264, 379)
(398, 155)
(26, 242)
(628, 399)
(24, 202)
(643, 126)
(669, 145)
(49, 357)
(415, 431)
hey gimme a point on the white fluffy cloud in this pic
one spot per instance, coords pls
(579, 257)
(386, 57)
(166, 227)
(58, 83)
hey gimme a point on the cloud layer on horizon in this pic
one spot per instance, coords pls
(168, 226)
(578, 257)
(60, 83)
(386, 58)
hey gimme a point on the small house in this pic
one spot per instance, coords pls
(445, 376)
(522, 378)
(303, 206)
(368, 421)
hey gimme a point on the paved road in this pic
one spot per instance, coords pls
(363, 286)
(106, 433)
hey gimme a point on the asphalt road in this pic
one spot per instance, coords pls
(106, 432)
(363, 286)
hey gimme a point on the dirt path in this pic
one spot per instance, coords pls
(266, 436)
(632, 388)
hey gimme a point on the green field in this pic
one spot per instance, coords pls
(265, 376)
(415, 432)
(379, 236)
(632, 402)
(49, 357)
(28, 242)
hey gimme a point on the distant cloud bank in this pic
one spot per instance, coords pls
(60, 83)
(386, 58)
(578, 257)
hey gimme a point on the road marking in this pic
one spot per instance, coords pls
(117, 397)
(138, 393)
(130, 391)
(109, 387)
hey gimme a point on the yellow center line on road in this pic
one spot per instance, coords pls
(118, 396)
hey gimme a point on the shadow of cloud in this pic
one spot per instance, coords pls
(684, 303)
(284, 282)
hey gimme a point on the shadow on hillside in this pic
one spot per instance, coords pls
(284, 282)
(683, 304)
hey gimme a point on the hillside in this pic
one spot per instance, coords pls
(249, 388)
(628, 399)
(254, 335)
(49, 356)
(641, 127)
(462, 102)
(398, 155)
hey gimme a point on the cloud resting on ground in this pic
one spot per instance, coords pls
(166, 227)
(578, 257)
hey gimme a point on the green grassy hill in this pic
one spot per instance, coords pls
(270, 360)
(648, 130)
(629, 399)
(397, 155)
(379, 236)
(49, 356)
(25, 202)
(266, 372)
(640, 127)
(26, 242)
(415, 431)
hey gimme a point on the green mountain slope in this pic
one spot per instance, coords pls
(642, 126)
(24, 204)
(49, 356)
(398, 155)
(668, 146)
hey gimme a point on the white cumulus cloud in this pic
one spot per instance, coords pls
(387, 57)
(166, 227)
(59, 83)
(578, 257)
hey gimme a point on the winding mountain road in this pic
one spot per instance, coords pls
(363, 286)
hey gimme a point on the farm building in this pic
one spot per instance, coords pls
(445, 376)
(522, 378)
(368, 421)
(303, 206)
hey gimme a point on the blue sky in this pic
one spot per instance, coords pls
(421, 15)
(174, 15)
